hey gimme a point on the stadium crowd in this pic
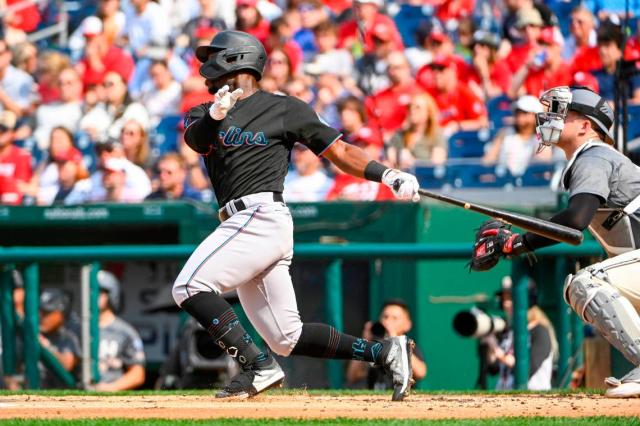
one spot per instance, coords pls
(96, 116)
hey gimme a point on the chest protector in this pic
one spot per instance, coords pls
(613, 228)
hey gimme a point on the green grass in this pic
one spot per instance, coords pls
(535, 421)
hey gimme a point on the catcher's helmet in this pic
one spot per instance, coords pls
(560, 100)
(234, 51)
(109, 283)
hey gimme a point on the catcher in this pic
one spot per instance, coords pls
(604, 190)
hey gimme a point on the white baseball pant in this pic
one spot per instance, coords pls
(250, 252)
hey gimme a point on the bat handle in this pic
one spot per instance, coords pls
(396, 185)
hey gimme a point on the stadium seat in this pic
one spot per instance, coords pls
(481, 176)
(86, 147)
(31, 146)
(434, 177)
(164, 138)
(468, 144)
(499, 110)
(538, 174)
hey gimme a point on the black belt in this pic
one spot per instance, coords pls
(239, 205)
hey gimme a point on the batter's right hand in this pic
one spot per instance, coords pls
(224, 101)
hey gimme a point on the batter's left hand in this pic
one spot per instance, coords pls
(404, 185)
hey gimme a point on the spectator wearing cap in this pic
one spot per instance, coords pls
(15, 163)
(491, 76)
(250, 20)
(360, 30)
(387, 109)
(515, 147)
(460, 108)
(329, 59)
(530, 24)
(100, 57)
(438, 44)
(55, 337)
(420, 137)
(111, 26)
(307, 182)
(209, 19)
(67, 112)
(146, 26)
(114, 179)
(136, 182)
(161, 96)
(581, 49)
(610, 51)
(512, 31)
(172, 183)
(17, 88)
(371, 68)
(545, 67)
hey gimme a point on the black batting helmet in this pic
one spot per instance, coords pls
(234, 51)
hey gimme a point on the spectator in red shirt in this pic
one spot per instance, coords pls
(15, 163)
(530, 24)
(100, 57)
(439, 44)
(387, 109)
(371, 68)
(249, 20)
(455, 9)
(459, 108)
(544, 69)
(359, 31)
(581, 49)
(350, 188)
(491, 76)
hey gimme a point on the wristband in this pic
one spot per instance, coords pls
(374, 171)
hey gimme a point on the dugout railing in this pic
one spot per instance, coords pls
(91, 256)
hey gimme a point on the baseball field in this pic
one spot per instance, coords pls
(315, 407)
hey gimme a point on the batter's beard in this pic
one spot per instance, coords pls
(214, 85)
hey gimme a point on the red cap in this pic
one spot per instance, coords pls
(206, 32)
(587, 80)
(249, 3)
(551, 36)
(437, 34)
(443, 61)
(71, 154)
(382, 31)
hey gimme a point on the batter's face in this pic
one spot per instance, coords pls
(230, 80)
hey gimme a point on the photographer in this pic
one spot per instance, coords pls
(542, 344)
(394, 320)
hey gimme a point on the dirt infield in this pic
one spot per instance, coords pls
(315, 406)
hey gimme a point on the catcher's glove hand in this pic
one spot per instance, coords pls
(494, 239)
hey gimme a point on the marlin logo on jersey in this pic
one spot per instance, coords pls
(234, 136)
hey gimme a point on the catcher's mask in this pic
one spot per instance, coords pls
(559, 101)
(232, 51)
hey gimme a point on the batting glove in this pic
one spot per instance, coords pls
(224, 101)
(404, 185)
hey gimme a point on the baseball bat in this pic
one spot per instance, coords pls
(532, 224)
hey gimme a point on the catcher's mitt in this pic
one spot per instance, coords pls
(494, 239)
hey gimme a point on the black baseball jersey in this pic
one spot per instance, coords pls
(249, 151)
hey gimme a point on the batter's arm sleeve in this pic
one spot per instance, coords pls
(578, 215)
(302, 124)
(201, 131)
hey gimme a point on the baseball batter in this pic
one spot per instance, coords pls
(246, 136)
(604, 190)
